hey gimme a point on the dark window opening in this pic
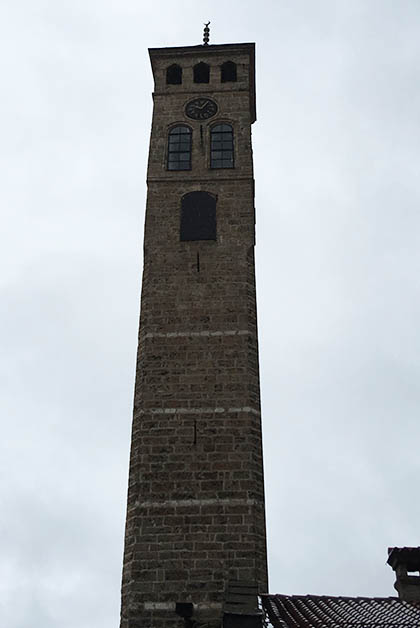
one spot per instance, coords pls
(198, 217)
(228, 71)
(201, 73)
(221, 146)
(174, 75)
(179, 148)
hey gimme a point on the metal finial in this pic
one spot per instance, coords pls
(206, 35)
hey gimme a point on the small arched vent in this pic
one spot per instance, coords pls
(201, 73)
(198, 217)
(228, 72)
(174, 74)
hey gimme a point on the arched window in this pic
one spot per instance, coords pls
(174, 74)
(179, 148)
(201, 73)
(228, 71)
(198, 217)
(221, 146)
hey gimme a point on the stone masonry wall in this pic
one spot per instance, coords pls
(195, 514)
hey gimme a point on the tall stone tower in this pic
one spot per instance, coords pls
(195, 535)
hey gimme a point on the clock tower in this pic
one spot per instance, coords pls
(195, 549)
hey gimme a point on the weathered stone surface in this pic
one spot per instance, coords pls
(195, 514)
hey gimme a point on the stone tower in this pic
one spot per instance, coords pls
(195, 535)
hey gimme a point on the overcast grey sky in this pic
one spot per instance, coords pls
(337, 166)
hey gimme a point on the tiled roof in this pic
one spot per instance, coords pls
(322, 611)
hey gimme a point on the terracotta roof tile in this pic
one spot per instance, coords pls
(322, 611)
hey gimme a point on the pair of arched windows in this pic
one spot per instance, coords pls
(201, 73)
(180, 145)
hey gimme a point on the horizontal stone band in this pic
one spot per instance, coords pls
(198, 410)
(194, 334)
(170, 606)
(197, 502)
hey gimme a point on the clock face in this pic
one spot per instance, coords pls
(201, 108)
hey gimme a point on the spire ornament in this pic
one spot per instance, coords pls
(206, 35)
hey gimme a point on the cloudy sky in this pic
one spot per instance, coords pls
(337, 164)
